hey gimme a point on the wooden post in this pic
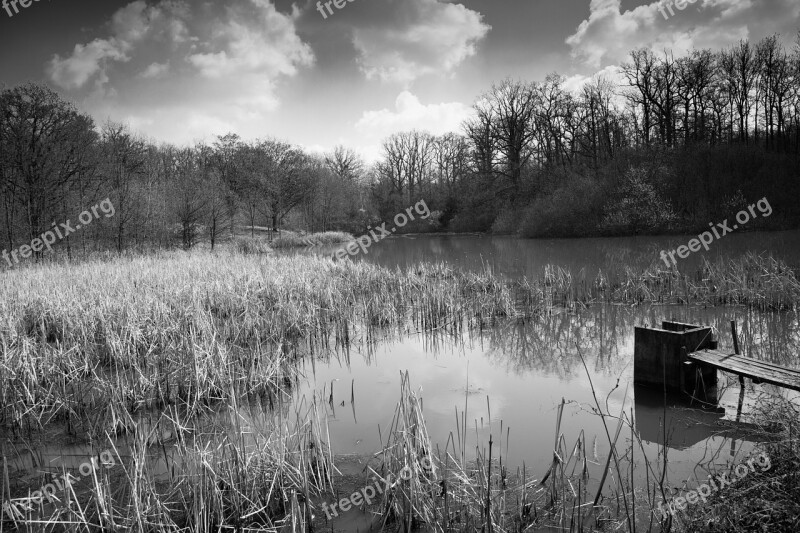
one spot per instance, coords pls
(736, 350)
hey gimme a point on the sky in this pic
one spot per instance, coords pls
(186, 71)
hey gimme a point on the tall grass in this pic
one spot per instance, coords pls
(91, 344)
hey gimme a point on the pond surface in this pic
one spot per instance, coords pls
(517, 375)
(511, 379)
(514, 257)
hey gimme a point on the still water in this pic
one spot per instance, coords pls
(514, 257)
(515, 375)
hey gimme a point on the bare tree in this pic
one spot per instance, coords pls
(46, 146)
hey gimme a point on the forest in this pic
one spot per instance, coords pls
(681, 142)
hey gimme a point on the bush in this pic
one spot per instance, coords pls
(315, 239)
(570, 211)
(247, 246)
(507, 222)
(637, 207)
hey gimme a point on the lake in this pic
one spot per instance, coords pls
(511, 378)
(514, 257)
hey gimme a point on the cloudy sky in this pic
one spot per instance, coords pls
(187, 70)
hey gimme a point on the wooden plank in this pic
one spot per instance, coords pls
(749, 368)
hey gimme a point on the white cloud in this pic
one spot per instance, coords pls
(155, 70)
(421, 37)
(609, 34)
(269, 47)
(87, 61)
(612, 73)
(176, 68)
(130, 27)
(409, 113)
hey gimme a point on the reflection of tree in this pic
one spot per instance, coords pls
(604, 333)
(548, 343)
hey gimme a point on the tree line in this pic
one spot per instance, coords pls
(684, 141)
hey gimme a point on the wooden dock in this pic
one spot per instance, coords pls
(747, 367)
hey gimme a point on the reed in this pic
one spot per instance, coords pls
(763, 500)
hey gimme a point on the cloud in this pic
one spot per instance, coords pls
(87, 61)
(269, 48)
(612, 73)
(176, 68)
(609, 34)
(130, 27)
(155, 70)
(417, 37)
(409, 113)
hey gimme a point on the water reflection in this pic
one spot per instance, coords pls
(514, 257)
(517, 373)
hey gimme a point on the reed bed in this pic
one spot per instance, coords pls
(90, 344)
(95, 347)
(757, 281)
(246, 471)
(762, 500)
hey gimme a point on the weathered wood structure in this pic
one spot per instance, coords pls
(661, 359)
(684, 358)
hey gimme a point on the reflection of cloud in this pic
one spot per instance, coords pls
(421, 37)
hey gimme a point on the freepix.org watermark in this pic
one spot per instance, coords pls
(15, 509)
(12, 4)
(48, 238)
(380, 486)
(715, 484)
(667, 5)
(365, 241)
(338, 3)
(720, 230)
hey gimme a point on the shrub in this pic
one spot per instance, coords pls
(570, 211)
(637, 207)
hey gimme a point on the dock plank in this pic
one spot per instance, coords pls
(749, 368)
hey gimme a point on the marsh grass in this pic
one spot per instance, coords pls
(90, 345)
(96, 346)
(757, 281)
(252, 473)
(762, 500)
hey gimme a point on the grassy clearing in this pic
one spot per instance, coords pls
(314, 239)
